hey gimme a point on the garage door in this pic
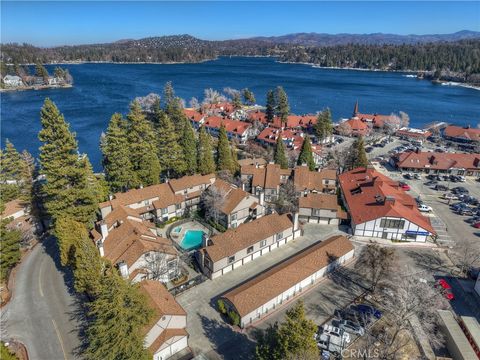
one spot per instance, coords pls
(256, 255)
(227, 269)
(266, 250)
(324, 221)
(247, 259)
(237, 264)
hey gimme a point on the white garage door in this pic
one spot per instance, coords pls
(257, 254)
(227, 269)
(237, 264)
(247, 259)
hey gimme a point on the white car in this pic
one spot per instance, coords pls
(450, 196)
(424, 208)
(462, 178)
(337, 332)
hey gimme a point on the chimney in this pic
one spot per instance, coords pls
(390, 199)
(100, 248)
(110, 197)
(205, 240)
(256, 165)
(103, 229)
(122, 266)
(262, 198)
(141, 186)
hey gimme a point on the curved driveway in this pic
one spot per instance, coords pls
(42, 311)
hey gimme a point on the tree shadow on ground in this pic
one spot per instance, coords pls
(348, 278)
(427, 261)
(228, 343)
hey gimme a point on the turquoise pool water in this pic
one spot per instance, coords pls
(177, 229)
(192, 240)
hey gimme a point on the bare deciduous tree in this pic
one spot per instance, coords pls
(213, 97)
(231, 92)
(376, 263)
(212, 201)
(158, 265)
(465, 255)
(287, 201)
(405, 119)
(392, 124)
(147, 102)
(344, 129)
(194, 103)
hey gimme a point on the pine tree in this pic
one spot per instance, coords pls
(224, 154)
(280, 157)
(283, 109)
(296, 334)
(360, 155)
(41, 71)
(324, 126)
(306, 156)
(115, 148)
(119, 314)
(170, 151)
(100, 192)
(248, 97)
(143, 152)
(174, 107)
(10, 163)
(10, 245)
(188, 142)
(66, 188)
(235, 165)
(79, 252)
(26, 172)
(270, 107)
(206, 163)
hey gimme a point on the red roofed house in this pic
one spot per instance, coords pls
(353, 127)
(413, 134)
(299, 122)
(376, 120)
(462, 134)
(265, 180)
(435, 163)
(165, 334)
(239, 130)
(378, 207)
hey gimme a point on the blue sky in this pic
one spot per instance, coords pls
(57, 23)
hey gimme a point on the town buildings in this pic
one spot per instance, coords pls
(166, 334)
(322, 181)
(378, 207)
(415, 135)
(12, 81)
(236, 247)
(462, 134)
(265, 180)
(438, 163)
(320, 209)
(279, 285)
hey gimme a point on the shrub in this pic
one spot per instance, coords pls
(234, 318)
(221, 306)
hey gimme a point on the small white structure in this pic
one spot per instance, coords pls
(270, 290)
(12, 80)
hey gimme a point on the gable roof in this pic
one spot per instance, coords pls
(232, 195)
(464, 133)
(264, 287)
(371, 195)
(304, 179)
(186, 182)
(268, 177)
(231, 126)
(437, 161)
(234, 240)
(318, 201)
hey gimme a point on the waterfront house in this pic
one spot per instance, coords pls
(238, 130)
(132, 245)
(437, 163)
(236, 206)
(165, 334)
(236, 247)
(462, 134)
(411, 134)
(12, 81)
(378, 207)
(376, 121)
(283, 283)
(353, 127)
(298, 122)
(265, 180)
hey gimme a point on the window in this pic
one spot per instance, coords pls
(392, 223)
(185, 191)
(279, 236)
(178, 206)
(250, 249)
(233, 216)
(316, 212)
(164, 211)
(263, 243)
(231, 259)
(147, 202)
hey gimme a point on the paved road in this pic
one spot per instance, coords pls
(41, 313)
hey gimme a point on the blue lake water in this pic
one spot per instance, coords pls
(192, 239)
(103, 89)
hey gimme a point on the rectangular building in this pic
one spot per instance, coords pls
(270, 290)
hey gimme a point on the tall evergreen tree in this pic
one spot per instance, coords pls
(280, 157)
(100, 192)
(206, 163)
(235, 165)
(306, 156)
(174, 107)
(248, 97)
(188, 142)
(10, 246)
(170, 151)
(118, 315)
(10, 163)
(360, 155)
(283, 109)
(324, 126)
(224, 154)
(41, 71)
(271, 105)
(143, 151)
(115, 148)
(66, 188)
(26, 172)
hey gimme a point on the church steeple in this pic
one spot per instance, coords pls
(355, 109)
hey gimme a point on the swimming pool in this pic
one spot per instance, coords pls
(192, 240)
(177, 229)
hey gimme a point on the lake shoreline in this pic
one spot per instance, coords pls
(36, 87)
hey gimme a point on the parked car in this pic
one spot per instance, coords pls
(446, 289)
(367, 310)
(408, 176)
(465, 211)
(425, 208)
(462, 178)
(337, 332)
(351, 327)
(460, 190)
(476, 225)
(417, 176)
(404, 186)
(440, 187)
(473, 219)
(368, 149)
(431, 183)
(449, 196)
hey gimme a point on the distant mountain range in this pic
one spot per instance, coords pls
(315, 39)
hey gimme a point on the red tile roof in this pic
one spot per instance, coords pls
(367, 191)
(376, 119)
(304, 179)
(462, 133)
(413, 133)
(437, 161)
(293, 121)
(232, 126)
(357, 126)
(193, 115)
(268, 177)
